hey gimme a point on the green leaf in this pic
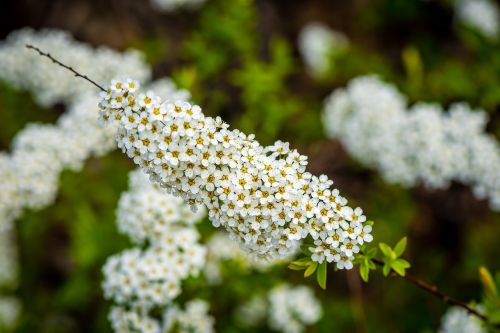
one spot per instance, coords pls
(400, 266)
(387, 269)
(321, 275)
(488, 283)
(311, 269)
(386, 249)
(300, 264)
(400, 247)
(364, 271)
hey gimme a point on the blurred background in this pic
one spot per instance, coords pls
(240, 60)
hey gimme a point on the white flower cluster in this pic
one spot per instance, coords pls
(50, 84)
(29, 176)
(482, 15)
(317, 44)
(194, 319)
(421, 144)
(220, 249)
(174, 5)
(262, 196)
(292, 308)
(151, 277)
(457, 320)
(143, 280)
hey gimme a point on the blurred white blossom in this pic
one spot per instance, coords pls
(194, 319)
(418, 144)
(220, 249)
(457, 320)
(482, 15)
(148, 277)
(175, 5)
(317, 44)
(293, 308)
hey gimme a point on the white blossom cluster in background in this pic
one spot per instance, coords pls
(289, 309)
(175, 5)
(292, 308)
(29, 174)
(220, 249)
(194, 319)
(418, 144)
(50, 84)
(148, 278)
(482, 15)
(262, 196)
(317, 45)
(457, 320)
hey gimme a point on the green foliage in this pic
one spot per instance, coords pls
(366, 263)
(321, 274)
(391, 259)
(491, 298)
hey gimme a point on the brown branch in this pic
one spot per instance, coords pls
(85, 77)
(433, 290)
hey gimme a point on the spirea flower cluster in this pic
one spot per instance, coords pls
(23, 68)
(174, 5)
(418, 144)
(146, 278)
(262, 196)
(482, 15)
(457, 320)
(29, 174)
(317, 44)
(292, 308)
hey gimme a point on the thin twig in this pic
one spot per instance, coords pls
(433, 290)
(408, 277)
(54, 60)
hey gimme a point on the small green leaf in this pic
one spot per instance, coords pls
(400, 247)
(364, 271)
(386, 249)
(400, 266)
(321, 275)
(299, 264)
(387, 269)
(311, 269)
(488, 283)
